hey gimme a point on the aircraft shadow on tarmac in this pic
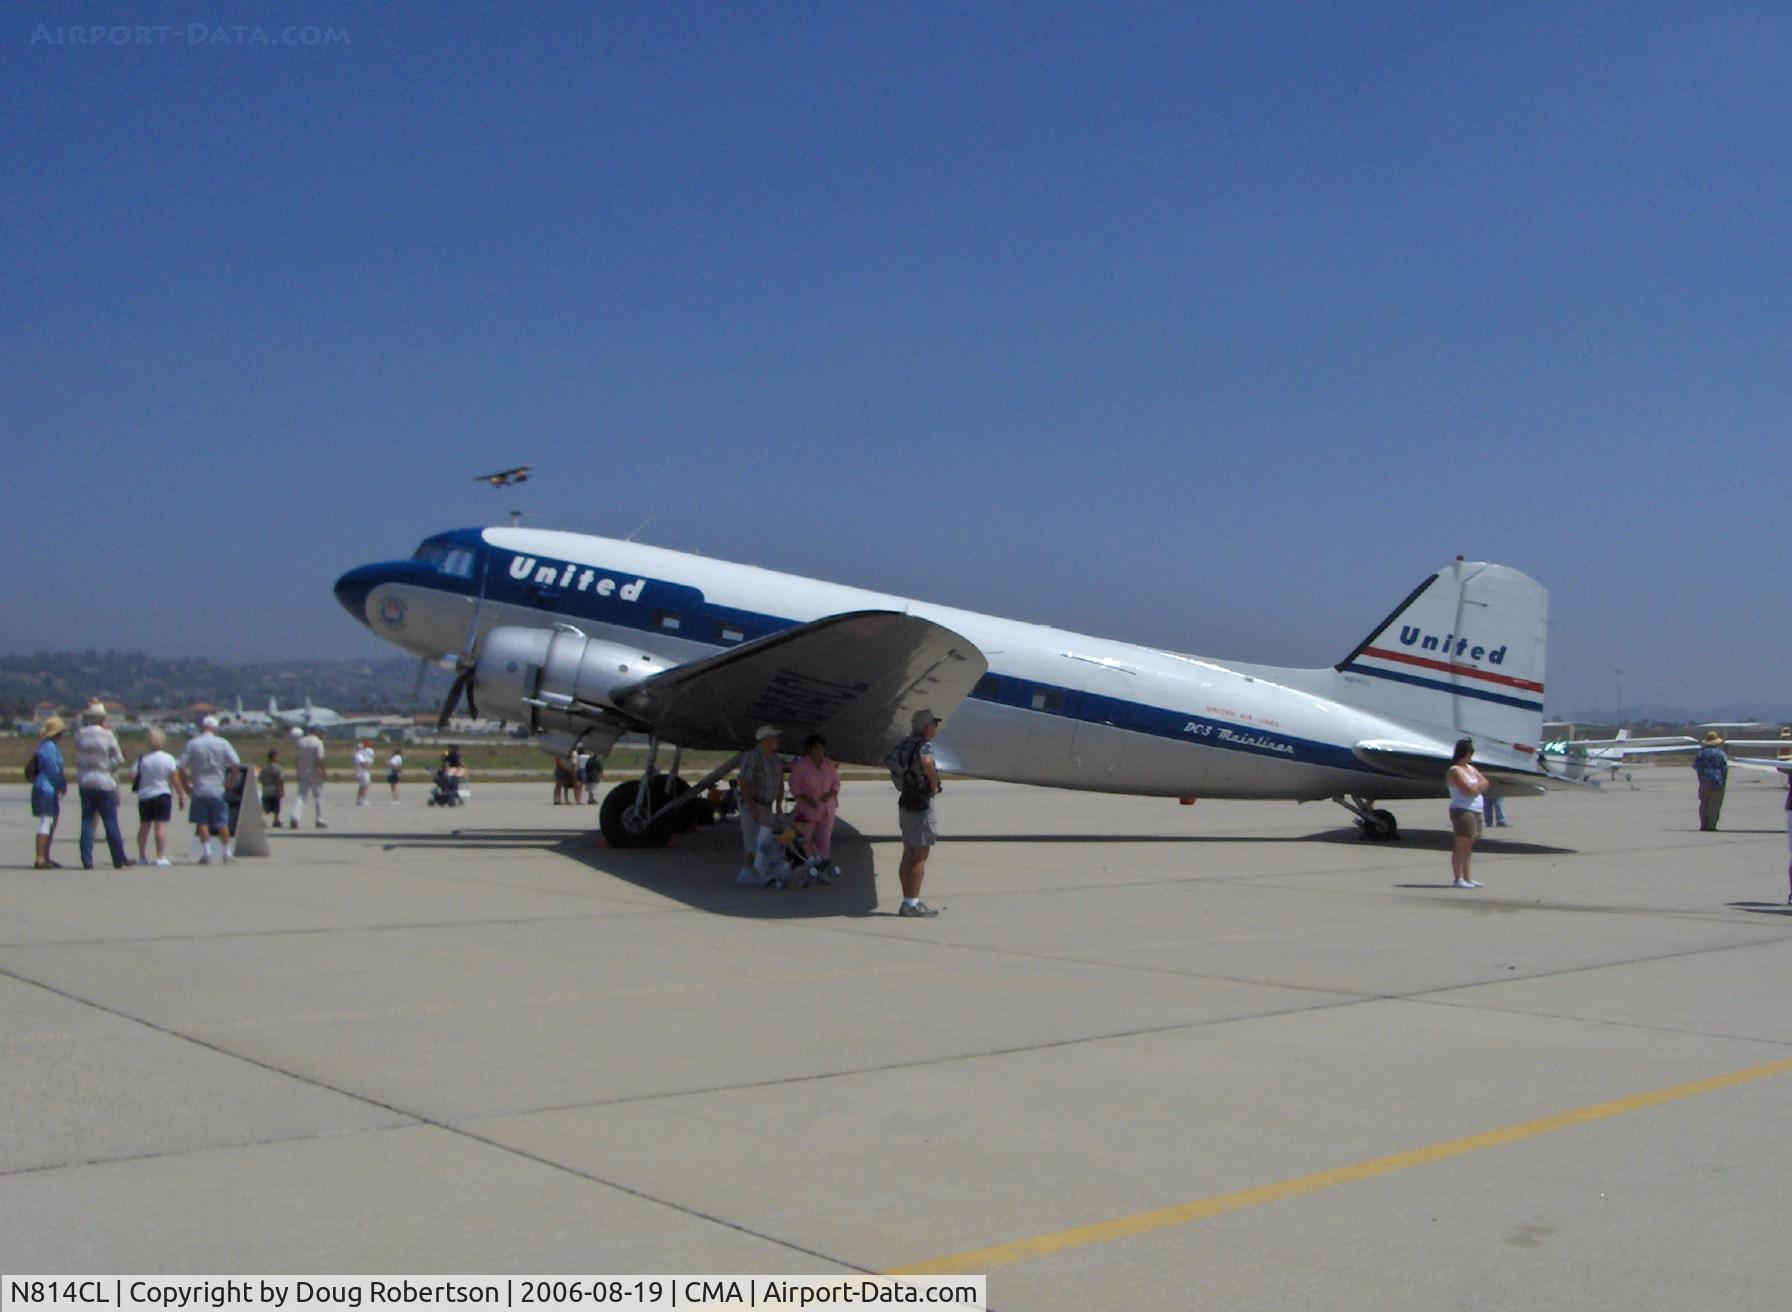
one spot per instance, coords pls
(1437, 841)
(699, 866)
(1764, 908)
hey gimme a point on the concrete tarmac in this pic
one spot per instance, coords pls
(1226, 1056)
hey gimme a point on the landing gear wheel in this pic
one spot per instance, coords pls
(1380, 826)
(624, 825)
(686, 817)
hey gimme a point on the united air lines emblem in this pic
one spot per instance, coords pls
(392, 612)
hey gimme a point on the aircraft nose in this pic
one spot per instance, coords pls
(352, 589)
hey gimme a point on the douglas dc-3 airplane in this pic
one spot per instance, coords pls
(586, 638)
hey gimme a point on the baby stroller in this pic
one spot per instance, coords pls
(447, 789)
(784, 858)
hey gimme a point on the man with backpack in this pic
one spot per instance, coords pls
(917, 781)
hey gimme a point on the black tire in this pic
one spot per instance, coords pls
(690, 814)
(621, 827)
(1381, 827)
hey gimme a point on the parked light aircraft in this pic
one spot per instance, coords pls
(584, 638)
(1574, 758)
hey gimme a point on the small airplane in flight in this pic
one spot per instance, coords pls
(506, 477)
(583, 638)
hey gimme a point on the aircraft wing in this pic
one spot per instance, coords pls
(1622, 746)
(1763, 762)
(1423, 761)
(856, 679)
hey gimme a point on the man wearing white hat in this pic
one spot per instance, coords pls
(204, 764)
(761, 788)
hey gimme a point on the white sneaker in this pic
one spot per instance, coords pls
(1466, 883)
(163, 861)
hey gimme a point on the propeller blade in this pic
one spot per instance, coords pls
(462, 682)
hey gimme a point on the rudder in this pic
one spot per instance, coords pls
(1464, 652)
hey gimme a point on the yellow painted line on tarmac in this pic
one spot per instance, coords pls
(1202, 1209)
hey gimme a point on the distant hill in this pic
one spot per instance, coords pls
(69, 678)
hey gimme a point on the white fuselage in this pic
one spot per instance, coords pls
(1058, 708)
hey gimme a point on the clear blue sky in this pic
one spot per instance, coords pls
(1216, 327)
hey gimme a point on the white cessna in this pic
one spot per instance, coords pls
(586, 638)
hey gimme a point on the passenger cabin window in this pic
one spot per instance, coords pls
(728, 633)
(667, 620)
(1044, 699)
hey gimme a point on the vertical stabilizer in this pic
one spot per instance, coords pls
(1464, 653)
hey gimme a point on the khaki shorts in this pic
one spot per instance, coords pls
(919, 828)
(1464, 823)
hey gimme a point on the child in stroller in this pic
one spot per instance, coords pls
(784, 858)
(446, 791)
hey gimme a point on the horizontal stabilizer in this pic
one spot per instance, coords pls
(857, 679)
(1422, 761)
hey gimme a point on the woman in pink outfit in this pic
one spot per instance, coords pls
(815, 784)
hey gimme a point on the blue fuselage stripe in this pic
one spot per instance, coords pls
(703, 622)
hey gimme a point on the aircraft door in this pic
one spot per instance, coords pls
(1100, 748)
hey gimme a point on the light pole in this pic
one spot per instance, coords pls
(1618, 676)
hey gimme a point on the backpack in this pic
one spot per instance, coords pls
(913, 791)
(31, 769)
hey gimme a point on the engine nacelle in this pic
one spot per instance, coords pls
(537, 676)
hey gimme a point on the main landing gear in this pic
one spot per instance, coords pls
(647, 812)
(1373, 825)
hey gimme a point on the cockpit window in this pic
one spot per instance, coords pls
(446, 557)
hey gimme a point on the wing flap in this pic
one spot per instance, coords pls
(855, 678)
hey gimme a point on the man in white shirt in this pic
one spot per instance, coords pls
(311, 779)
(203, 765)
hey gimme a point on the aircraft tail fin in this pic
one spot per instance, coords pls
(1464, 652)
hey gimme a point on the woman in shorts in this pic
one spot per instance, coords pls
(157, 780)
(1467, 785)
